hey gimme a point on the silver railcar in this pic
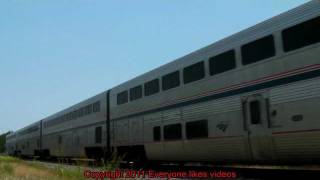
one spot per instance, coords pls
(11, 143)
(27, 140)
(253, 96)
(77, 131)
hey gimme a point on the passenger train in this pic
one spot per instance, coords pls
(251, 97)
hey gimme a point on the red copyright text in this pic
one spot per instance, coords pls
(90, 174)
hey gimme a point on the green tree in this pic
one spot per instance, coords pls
(3, 142)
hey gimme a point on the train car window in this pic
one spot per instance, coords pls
(60, 140)
(31, 129)
(98, 134)
(222, 62)
(70, 116)
(170, 80)
(86, 110)
(156, 133)
(135, 93)
(96, 106)
(65, 117)
(89, 109)
(80, 112)
(55, 120)
(46, 124)
(197, 129)
(58, 120)
(301, 35)
(255, 112)
(74, 114)
(122, 97)
(38, 143)
(52, 122)
(83, 111)
(172, 132)
(151, 87)
(258, 50)
(193, 72)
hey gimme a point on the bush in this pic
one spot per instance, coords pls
(3, 142)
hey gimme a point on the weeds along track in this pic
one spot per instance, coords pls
(201, 171)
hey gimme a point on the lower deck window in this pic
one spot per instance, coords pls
(197, 129)
(172, 132)
(98, 135)
(156, 133)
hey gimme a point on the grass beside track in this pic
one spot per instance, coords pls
(13, 168)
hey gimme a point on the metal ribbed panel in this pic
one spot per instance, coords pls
(302, 144)
(152, 116)
(212, 107)
(203, 150)
(295, 92)
(171, 115)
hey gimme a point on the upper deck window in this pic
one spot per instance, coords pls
(69, 116)
(258, 50)
(193, 72)
(74, 115)
(151, 87)
(222, 62)
(80, 112)
(135, 93)
(122, 97)
(88, 109)
(96, 106)
(301, 35)
(170, 80)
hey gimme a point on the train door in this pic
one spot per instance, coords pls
(75, 143)
(256, 111)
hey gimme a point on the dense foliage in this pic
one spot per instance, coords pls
(3, 142)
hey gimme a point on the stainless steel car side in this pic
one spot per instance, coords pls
(26, 141)
(72, 132)
(11, 143)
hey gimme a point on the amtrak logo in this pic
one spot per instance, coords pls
(222, 126)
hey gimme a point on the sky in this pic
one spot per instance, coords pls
(56, 53)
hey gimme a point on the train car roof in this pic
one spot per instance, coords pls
(266, 27)
(26, 127)
(74, 107)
